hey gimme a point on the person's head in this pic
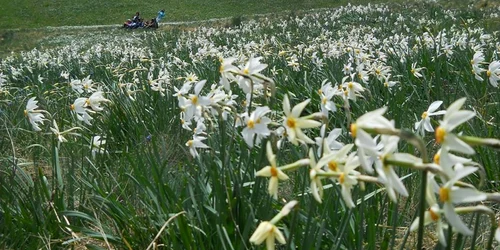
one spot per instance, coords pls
(137, 13)
(162, 10)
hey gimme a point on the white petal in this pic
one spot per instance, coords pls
(454, 219)
(457, 145)
(465, 195)
(297, 110)
(435, 105)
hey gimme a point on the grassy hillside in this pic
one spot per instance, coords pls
(33, 14)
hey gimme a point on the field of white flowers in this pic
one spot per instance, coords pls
(348, 128)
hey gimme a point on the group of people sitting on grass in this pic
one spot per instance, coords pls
(138, 22)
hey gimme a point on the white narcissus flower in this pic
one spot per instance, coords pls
(425, 123)
(386, 173)
(227, 71)
(449, 194)
(196, 101)
(476, 62)
(95, 100)
(82, 113)
(294, 123)
(347, 178)
(196, 142)
(453, 118)
(416, 71)
(58, 133)
(77, 86)
(34, 116)
(256, 124)
(433, 214)
(493, 73)
(329, 141)
(326, 93)
(250, 74)
(268, 232)
(351, 88)
(316, 185)
(272, 171)
(365, 143)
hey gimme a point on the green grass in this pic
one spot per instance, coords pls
(36, 14)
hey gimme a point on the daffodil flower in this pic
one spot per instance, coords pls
(425, 123)
(449, 194)
(347, 179)
(267, 230)
(82, 113)
(366, 145)
(95, 100)
(272, 171)
(432, 215)
(493, 73)
(34, 116)
(326, 93)
(386, 173)
(329, 141)
(453, 118)
(416, 71)
(276, 173)
(294, 123)
(256, 125)
(194, 143)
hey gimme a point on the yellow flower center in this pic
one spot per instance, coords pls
(320, 91)
(194, 100)
(488, 73)
(440, 134)
(377, 71)
(350, 85)
(274, 172)
(87, 102)
(250, 124)
(437, 158)
(290, 122)
(189, 143)
(72, 107)
(246, 71)
(471, 61)
(324, 100)
(258, 121)
(386, 84)
(434, 216)
(221, 68)
(354, 129)
(412, 71)
(332, 165)
(444, 194)
(424, 115)
(342, 178)
(25, 112)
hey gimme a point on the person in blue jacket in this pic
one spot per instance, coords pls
(161, 15)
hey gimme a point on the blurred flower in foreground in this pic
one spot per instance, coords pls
(34, 116)
(267, 230)
(452, 119)
(450, 194)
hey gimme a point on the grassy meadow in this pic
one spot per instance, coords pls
(335, 128)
